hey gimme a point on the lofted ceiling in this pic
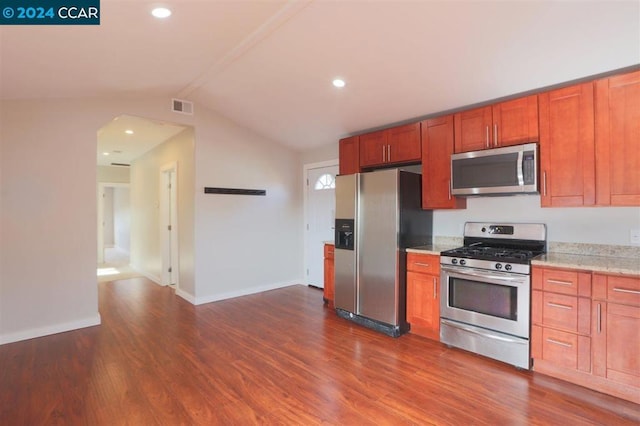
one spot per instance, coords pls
(268, 64)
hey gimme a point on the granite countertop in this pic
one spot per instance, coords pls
(438, 245)
(621, 265)
(589, 257)
(592, 257)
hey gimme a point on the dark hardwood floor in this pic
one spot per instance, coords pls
(278, 357)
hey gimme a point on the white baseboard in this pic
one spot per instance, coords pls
(145, 274)
(52, 329)
(122, 250)
(244, 292)
(186, 296)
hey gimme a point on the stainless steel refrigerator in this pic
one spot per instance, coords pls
(378, 215)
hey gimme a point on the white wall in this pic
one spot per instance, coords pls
(107, 218)
(48, 211)
(121, 219)
(595, 225)
(146, 244)
(320, 154)
(113, 174)
(245, 243)
(48, 219)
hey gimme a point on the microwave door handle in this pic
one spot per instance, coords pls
(520, 168)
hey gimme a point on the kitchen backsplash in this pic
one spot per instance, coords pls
(585, 225)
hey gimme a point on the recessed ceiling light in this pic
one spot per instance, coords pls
(338, 82)
(129, 132)
(105, 153)
(161, 12)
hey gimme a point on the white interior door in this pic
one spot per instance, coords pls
(169, 224)
(321, 210)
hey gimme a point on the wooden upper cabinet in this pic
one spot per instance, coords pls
(567, 147)
(618, 140)
(391, 146)
(516, 121)
(373, 148)
(472, 129)
(506, 123)
(349, 155)
(404, 143)
(437, 147)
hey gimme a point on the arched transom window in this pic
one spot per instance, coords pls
(325, 181)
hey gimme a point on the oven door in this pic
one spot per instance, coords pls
(492, 300)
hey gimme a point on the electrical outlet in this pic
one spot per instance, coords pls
(634, 237)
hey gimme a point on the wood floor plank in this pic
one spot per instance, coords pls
(278, 357)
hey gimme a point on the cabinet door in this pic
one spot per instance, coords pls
(437, 147)
(423, 304)
(618, 140)
(349, 155)
(404, 144)
(567, 147)
(329, 280)
(515, 121)
(617, 342)
(373, 148)
(473, 129)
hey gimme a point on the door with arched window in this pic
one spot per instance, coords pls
(320, 217)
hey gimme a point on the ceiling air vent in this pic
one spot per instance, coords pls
(182, 107)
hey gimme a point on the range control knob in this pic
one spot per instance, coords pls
(463, 262)
(454, 261)
(508, 267)
(498, 266)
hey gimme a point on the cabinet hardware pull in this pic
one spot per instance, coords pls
(557, 342)
(487, 137)
(449, 188)
(426, 265)
(435, 286)
(544, 184)
(384, 154)
(626, 290)
(560, 282)
(389, 153)
(495, 135)
(558, 305)
(599, 319)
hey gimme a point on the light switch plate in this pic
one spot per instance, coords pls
(634, 237)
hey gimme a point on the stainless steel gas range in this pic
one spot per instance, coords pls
(486, 290)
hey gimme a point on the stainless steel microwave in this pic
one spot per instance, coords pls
(498, 171)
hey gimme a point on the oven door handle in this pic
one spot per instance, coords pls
(479, 333)
(483, 274)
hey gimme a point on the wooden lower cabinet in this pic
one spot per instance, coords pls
(586, 329)
(329, 275)
(616, 330)
(423, 294)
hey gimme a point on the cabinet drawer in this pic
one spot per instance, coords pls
(565, 312)
(328, 251)
(619, 289)
(563, 281)
(566, 349)
(425, 263)
(560, 311)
